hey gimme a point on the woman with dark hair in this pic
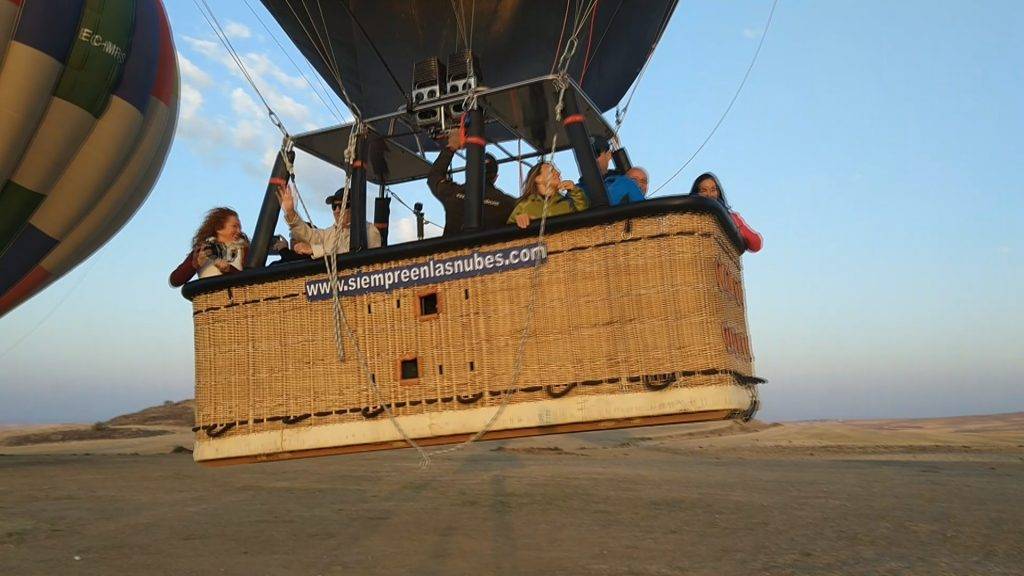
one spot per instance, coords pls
(218, 247)
(544, 184)
(707, 185)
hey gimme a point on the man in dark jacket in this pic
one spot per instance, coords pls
(497, 204)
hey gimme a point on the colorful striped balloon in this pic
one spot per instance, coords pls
(88, 102)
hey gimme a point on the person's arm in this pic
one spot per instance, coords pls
(518, 209)
(751, 238)
(372, 236)
(184, 272)
(437, 178)
(301, 232)
(578, 197)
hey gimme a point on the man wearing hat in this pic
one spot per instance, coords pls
(314, 241)
(497, 204)
(620, 188)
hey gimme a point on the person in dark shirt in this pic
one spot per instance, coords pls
(497, 204)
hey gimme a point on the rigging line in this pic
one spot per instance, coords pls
(600, 41)
(460, 28)
(402, 202)
(739, 89)
(331, 106)
(620, 116)
(320, 50)
(211, 19)
(373, 45)
(54, 309)
(472, 23)
(558, 47)
(590, 38)
(328, 44)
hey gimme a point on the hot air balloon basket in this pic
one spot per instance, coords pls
(636, 322)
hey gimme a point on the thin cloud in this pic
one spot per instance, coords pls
(751, 33)
(193, 74)
(235, 30)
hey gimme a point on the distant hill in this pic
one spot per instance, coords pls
(167, 414)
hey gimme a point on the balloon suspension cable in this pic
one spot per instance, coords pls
(402, 202)
(218, 31)
(326, 54)
(331, 106)
(517, 366)
(725, 113)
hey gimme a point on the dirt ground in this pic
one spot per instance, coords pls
(884, 497)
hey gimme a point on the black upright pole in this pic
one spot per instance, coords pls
(357, 230)
(267, 221)
(417, 209)
(382, 214)
(475, 173)
(576, 127)
(622, 163)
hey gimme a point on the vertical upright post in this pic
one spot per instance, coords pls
(382, 213)
(357, 194)
(417, 209)
(475, 173)
(267, 220)
(576, 127)
(621, 159)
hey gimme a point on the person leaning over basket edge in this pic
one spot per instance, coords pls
(707, 185)
(544, 183)
(315, 241)
(218, 247)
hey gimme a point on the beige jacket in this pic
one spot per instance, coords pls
(321, 240)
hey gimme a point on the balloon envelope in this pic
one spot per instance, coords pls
(373, 45)
(89, 95)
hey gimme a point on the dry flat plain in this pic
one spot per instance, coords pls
(931, 497)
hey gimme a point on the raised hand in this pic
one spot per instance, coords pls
(284, 196)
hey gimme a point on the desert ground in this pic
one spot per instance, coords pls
(937, 496)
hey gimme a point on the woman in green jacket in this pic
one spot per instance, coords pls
(544, 184)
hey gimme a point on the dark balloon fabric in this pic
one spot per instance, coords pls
(89, 91)
(375, 43)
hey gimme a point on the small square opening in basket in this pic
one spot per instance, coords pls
(430, 305)
(409, 369)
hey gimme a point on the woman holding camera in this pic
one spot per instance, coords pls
(218, 247)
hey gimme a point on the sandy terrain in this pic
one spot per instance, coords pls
(942, 496)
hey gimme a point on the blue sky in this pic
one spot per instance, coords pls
(877, 147)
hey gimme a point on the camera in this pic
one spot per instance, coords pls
(213, 249)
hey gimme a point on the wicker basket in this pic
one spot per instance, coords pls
(637, 322)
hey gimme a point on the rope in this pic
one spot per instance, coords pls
(461, 27)
(320, 48)
(534, 281)
(739, 89)
(590, 39)
(402, 202)
(211, 19)
(331, 106)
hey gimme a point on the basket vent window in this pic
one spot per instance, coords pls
(471, 366)
(410, 369)
(398, 303)
(466, 293)
(428, 304)
(440, 368)
(369, 309)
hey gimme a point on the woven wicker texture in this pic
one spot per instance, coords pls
(656, 297)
